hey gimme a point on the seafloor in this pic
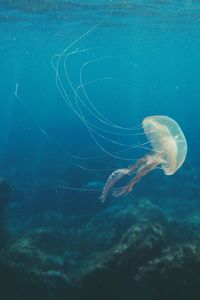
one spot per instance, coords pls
(68, 246)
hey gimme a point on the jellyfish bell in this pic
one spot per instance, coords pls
(167, 141)
(169, 149)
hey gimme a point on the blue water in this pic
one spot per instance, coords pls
(141, 58)
(157, 65)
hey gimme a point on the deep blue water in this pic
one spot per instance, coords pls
(136, 59)
(156, 59)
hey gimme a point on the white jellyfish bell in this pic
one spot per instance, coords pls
(169, 148)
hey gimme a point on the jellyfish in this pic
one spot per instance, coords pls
(169, 148)
(163, 133)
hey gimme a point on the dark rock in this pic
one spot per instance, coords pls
(5, 190)
(130, 250)
(174, 275)
(112, 274)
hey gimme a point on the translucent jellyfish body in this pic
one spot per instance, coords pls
(169, 149)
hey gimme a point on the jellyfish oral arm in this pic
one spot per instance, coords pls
(140, 168)
(112, 180)
(119, 174)
(148, 164)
